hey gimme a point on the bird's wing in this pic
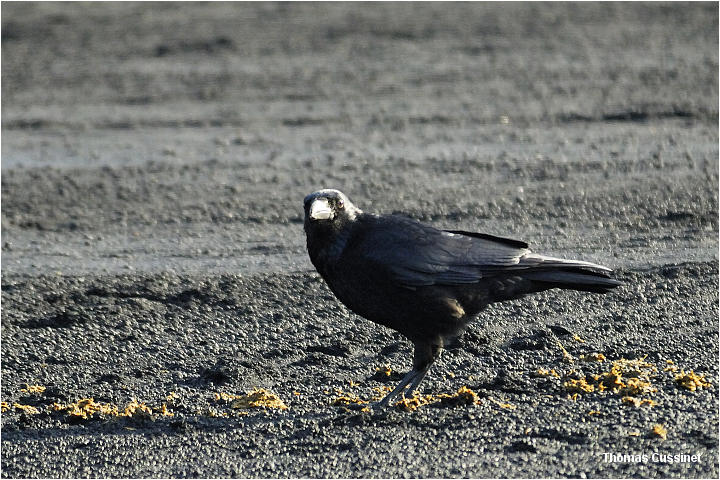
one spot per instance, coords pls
(415, 255)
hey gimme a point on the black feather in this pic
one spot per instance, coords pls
(508, 241)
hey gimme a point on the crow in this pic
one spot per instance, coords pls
(427, 284)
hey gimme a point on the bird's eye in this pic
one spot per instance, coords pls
(340, 203)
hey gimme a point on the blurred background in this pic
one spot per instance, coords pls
(154, 161)
(183, 137)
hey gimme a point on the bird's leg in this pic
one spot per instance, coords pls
(425, 355)
(423, 362)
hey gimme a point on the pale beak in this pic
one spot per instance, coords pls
(320, 210)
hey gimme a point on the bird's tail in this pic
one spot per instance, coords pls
(553, 272)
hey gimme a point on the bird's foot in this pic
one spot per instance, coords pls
(380, 405)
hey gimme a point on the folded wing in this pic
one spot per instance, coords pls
(417, 255)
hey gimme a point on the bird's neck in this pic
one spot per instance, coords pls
(328, 244)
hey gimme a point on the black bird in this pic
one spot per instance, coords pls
(427, 284)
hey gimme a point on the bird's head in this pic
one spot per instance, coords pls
(329, 208)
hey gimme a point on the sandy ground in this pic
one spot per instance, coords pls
(154, 161)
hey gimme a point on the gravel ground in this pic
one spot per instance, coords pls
(154, 161)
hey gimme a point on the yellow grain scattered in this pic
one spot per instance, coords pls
(380, 392)
(463, 396)
(466, 394)
(137, 409)
(660, 431)
(33, 389)
(85, 408)
(413, 403)
(593, 357)
(348, 399)
(544, 372)
(636, 386)
(225, 397)
(671, 368)
(566, 356)
(638, 401)
(506, 405)
(579, 386)
(625, 377)
(29, 409)
(259, 398)
(163, 411)
(691, 380)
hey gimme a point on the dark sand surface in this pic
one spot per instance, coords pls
(154, 161)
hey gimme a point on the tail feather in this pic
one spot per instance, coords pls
(574, 279)
(553, 272)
